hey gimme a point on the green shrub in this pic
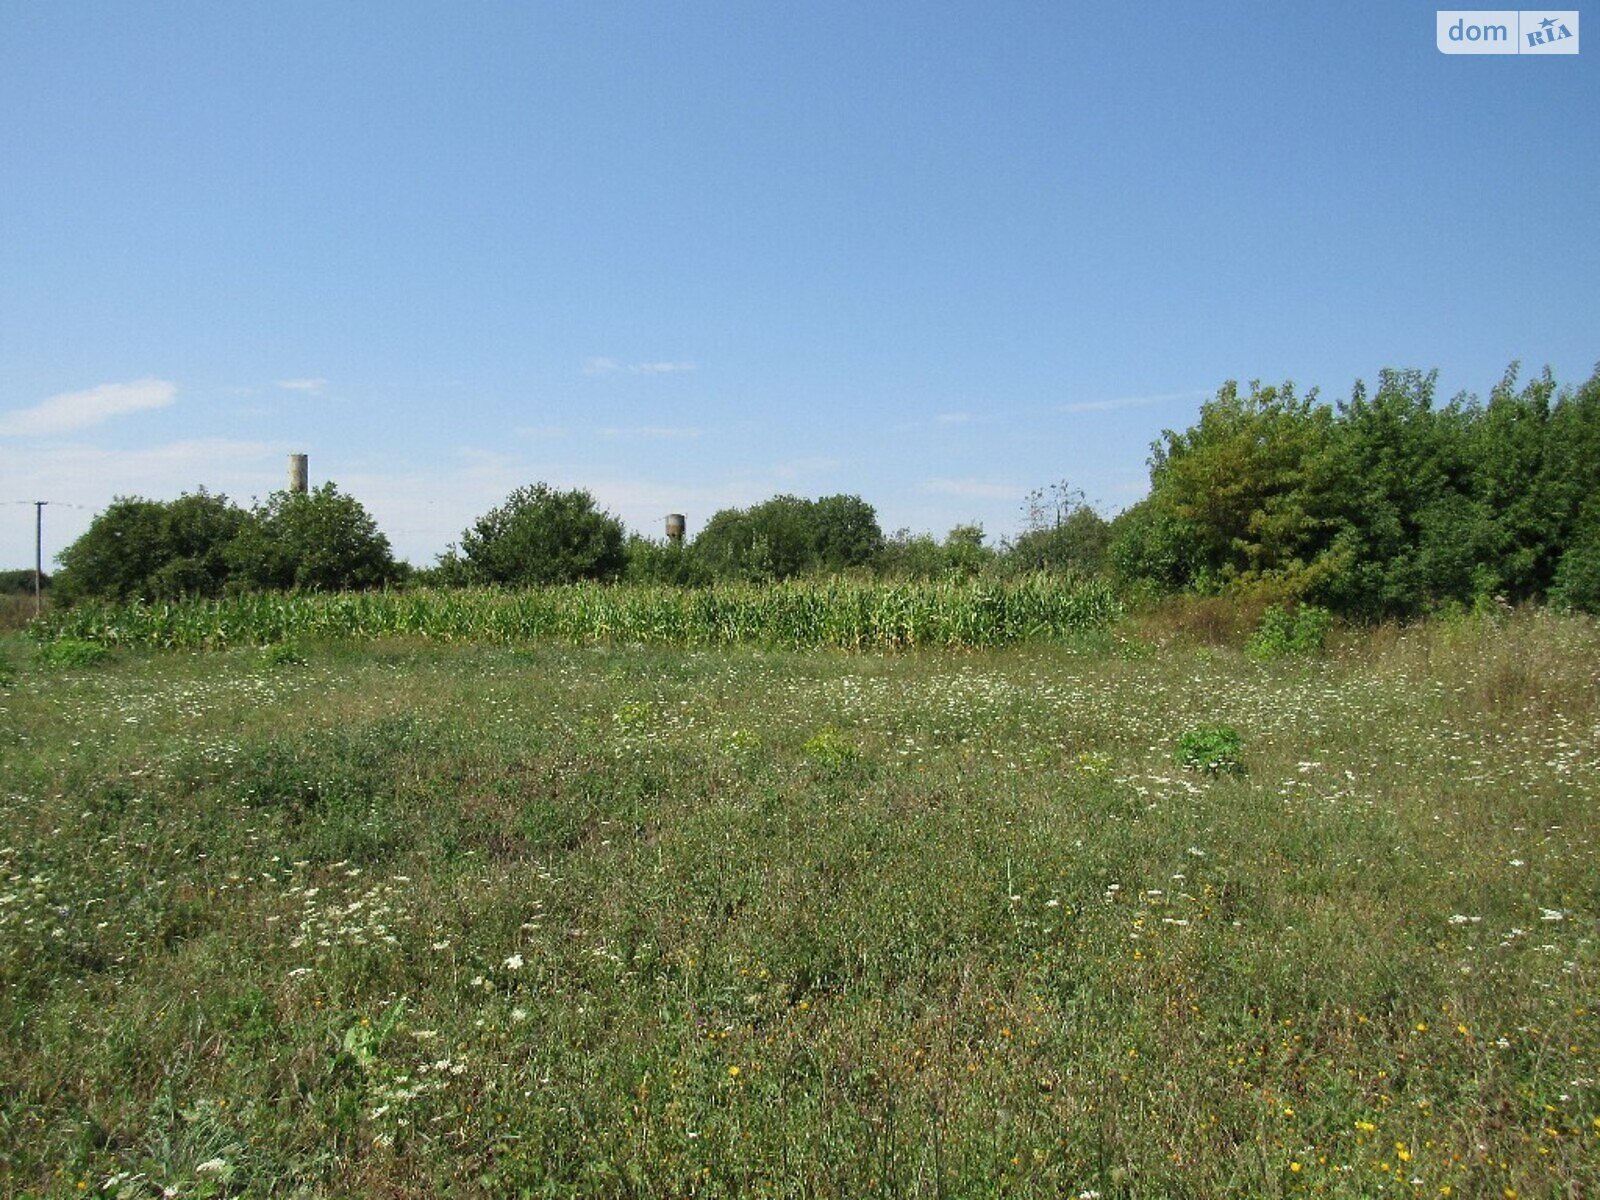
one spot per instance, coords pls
(318, 541)
(543, 536)
(830, 750)
(1213, 749)
(1284, 634)
(73, 652)
(282, 654)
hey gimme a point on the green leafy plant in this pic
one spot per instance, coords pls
(74, 652)
(1213, 749)
(1286, 634)
(282, 654)
(830, 750)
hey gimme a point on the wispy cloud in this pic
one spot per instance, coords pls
(303, 385)
(980, 489)
(78, 410)
(1082, 406)
(610, 366)
(651, 432)
(953, 418)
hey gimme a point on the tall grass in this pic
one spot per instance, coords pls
(394, 918)
(838, 613)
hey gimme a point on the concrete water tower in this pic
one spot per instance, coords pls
(676, 527)
(298, 473)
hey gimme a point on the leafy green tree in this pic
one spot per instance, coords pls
(790, 535)
(1514, 542)
(1150, 549)
(847, 532)
(907, 555)
(322, 541)
(1246, 488)
(1577, 578)
(664, 562)
(542, 536)
(1400, 469)
(1571, 491)
(964, 552)
(153, 549)
(20, 582)
(1063, 534)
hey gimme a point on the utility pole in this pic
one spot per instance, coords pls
(38, 556)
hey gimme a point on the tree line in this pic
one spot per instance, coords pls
(1386, 504)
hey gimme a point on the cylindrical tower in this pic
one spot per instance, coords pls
(298, 473)
(676, 526)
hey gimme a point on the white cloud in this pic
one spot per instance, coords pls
(953, 418)
(311, 386)
(78, 410)
(979, 489)
(610, 366)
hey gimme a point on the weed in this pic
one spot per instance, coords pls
(1213, 749)
(831, 750)
(1284, 633)
(73, 652)
(283, 654)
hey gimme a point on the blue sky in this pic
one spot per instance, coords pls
(692, 255)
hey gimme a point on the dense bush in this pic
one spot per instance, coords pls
(1388, 504)
(20, 582)
(540, 535)
(788, 536)
(1283, 633)
(203, 545)
(320, 541)
(153, 549)
(669, 562)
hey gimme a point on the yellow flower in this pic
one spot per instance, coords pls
(1295, 1167)
(1422, 1027)
(733, 1072)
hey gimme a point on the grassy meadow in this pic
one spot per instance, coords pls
(411, 916)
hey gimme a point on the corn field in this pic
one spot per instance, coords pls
(837, 613)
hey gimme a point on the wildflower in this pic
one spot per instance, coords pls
(733, 1072)
(1295, 1167)
(212, 1166)
(514, 963)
